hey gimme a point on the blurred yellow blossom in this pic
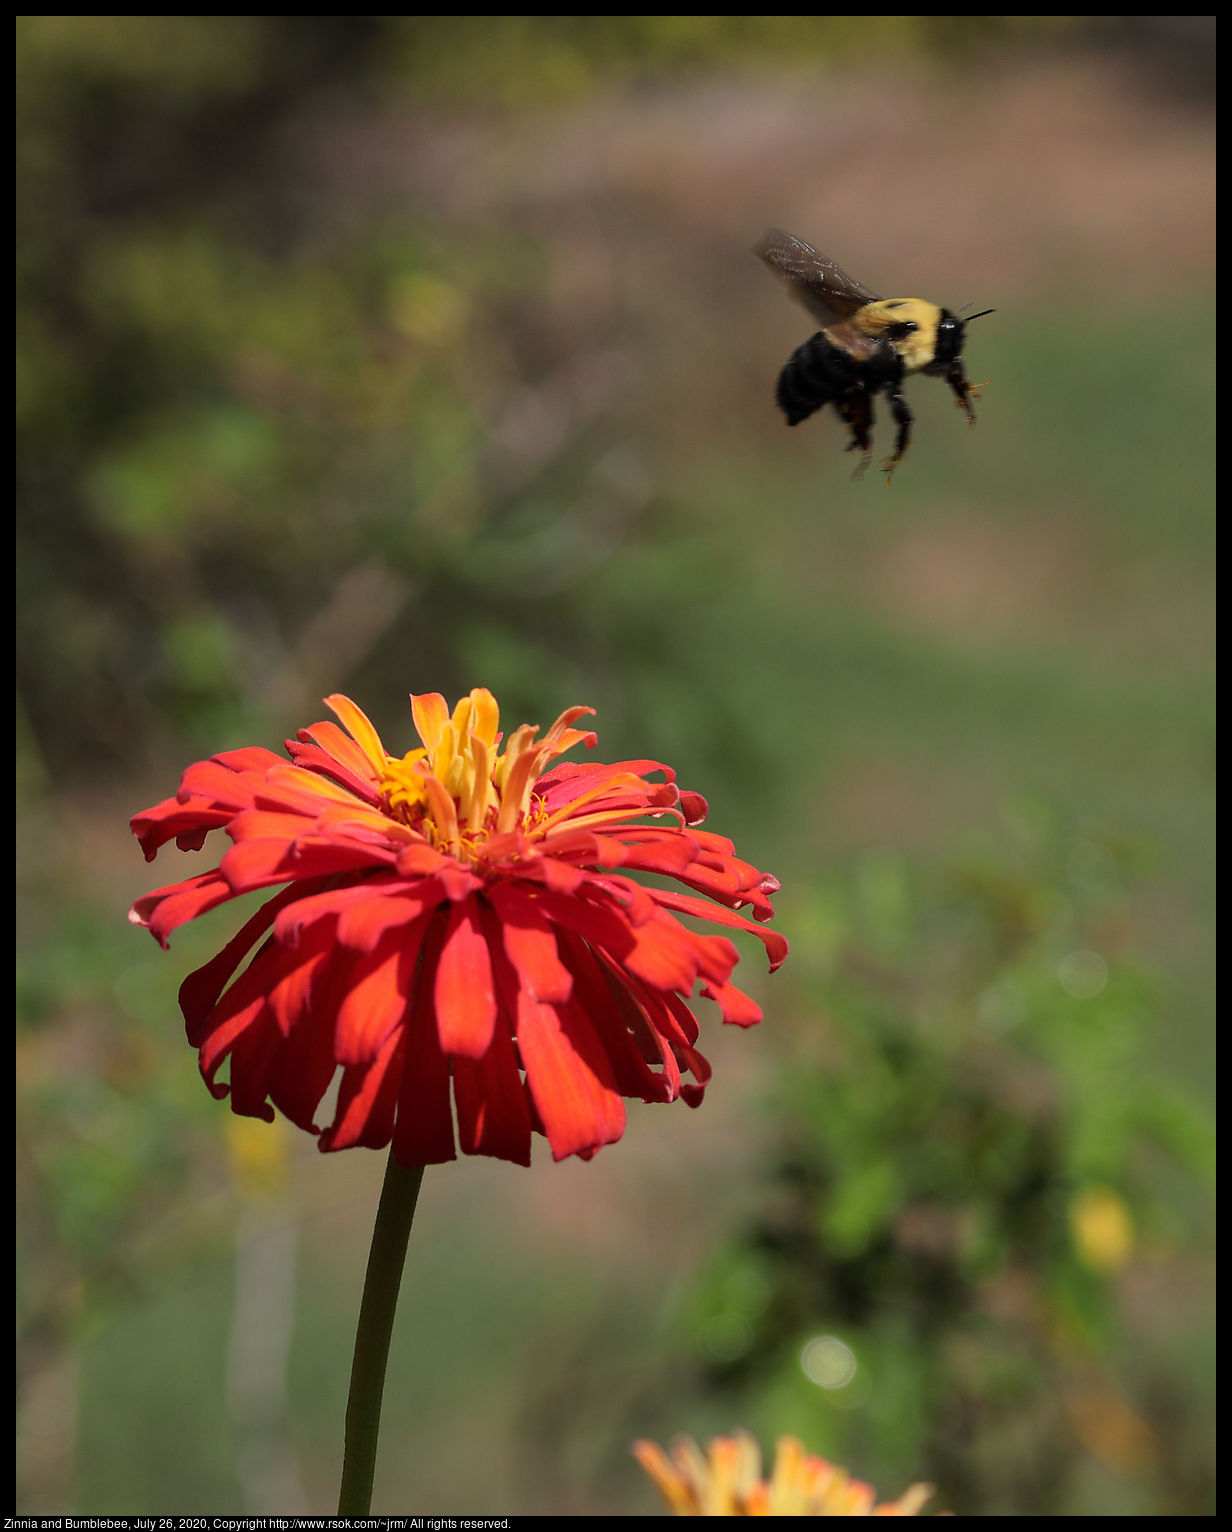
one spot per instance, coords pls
(258, 1152)
(1102, 1228)
(728, 1482)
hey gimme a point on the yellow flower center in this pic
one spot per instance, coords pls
(459, 788)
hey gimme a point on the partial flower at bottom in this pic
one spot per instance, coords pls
(727, 1481)
(457, 919)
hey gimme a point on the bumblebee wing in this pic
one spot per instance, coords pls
(856, 343)
(812, 279)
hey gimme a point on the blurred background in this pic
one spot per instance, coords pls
(393, 354)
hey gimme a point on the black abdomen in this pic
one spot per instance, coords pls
(814, 374)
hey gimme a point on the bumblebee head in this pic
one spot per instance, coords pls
(951, 336)
(951, 332)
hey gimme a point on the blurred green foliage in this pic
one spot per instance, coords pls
(182, 362)
(512, 60)
(122, 1181)
(971, 1149)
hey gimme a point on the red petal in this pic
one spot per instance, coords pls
(775, 942)
(314, 907)
(224, 788)
(582, 846)
(349, 767)
(303, 1070)
(493, 1112)
(291, 997)
(268, 824)
(683, 1017)
(252, 1063)
(694, 808)
(738, 1010)
(569, 1076)
(248, 758)
(306, 1063)
(364, 923)
(221, 1041)
(423, 1133)
(377, 995)
(171, 819)
(419, 857)
(612, 1020)
(727, 887)
(560, 876)
(257, 863)
(456, 882)
(675, 1023)
(652, 1025)
(530, 943)
(366, 1100)
(166, 908)
(310, 758)
(601, 925)
(664, 956)
(465, 999)
(200, 990)
(238, 1009)
(669, 856)
(627, 894)
(568, 781)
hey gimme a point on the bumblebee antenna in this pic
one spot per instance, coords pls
(980, 315)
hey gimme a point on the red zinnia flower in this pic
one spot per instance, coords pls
(458, 912)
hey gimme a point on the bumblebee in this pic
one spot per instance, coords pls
(866, 344)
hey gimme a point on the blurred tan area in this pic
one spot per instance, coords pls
(380, 356)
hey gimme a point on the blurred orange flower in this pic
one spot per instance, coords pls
(462, 912)
(728, 1481)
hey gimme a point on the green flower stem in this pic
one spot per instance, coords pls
(399, 1195)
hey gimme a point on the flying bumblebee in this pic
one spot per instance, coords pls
(866, 344)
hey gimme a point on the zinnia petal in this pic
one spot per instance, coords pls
(569, 1076)
(377, 996)
(530, 942)
(423, 1131)
(367, 1099)
(493, 1112)
(465, 995)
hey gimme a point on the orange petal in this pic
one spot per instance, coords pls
(431, 713)
(361, 728)
(665, 1478)
(334, 742)
(486, 715)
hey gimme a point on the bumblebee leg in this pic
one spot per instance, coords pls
(856, 408)
(904, 417)
(956, 377)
